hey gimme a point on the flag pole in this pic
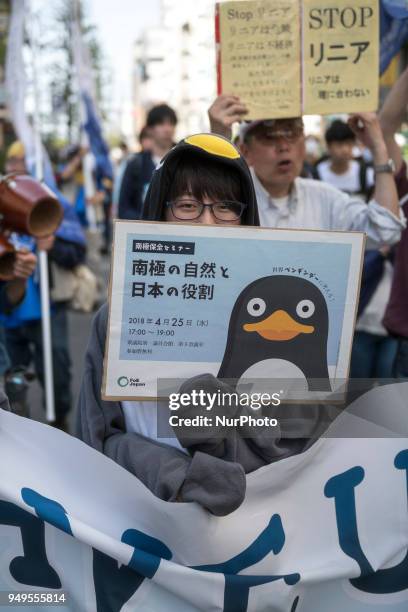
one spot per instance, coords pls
(89, 186)
(42, 255)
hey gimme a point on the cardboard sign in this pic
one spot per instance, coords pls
(341, 56)
(333, 70)
(182, 303)
(258, 58)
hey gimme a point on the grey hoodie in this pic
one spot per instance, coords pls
(217, 485)
(213, 473)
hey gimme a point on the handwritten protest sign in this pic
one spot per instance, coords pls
(182, 304)
(340, 55)
(259, 55)
(334, 70)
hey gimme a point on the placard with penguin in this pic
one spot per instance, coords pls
(241, 303)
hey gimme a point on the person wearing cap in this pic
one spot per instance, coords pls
(203, 179)
(275, 151)
(205, 182)
(161, 125)
(23, 329)
(15, 157)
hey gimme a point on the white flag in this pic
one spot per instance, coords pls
(89, 113)
(15, 82)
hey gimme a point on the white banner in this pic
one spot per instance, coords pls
(15, 75)
(15, 82)
(99, 166)
(326, 530)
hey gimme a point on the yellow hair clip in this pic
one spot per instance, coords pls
(213, 144)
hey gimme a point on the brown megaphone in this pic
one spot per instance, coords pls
(28, 206)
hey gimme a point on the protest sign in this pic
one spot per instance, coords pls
(334, 69)
(341, 56)
(315, 532)
(258, 55)
(182, 304)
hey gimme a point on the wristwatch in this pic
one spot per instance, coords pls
(388, 167)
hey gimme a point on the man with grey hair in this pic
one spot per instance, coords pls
(275, 151)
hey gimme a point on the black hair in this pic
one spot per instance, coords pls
(205, 178)
(160, 114)
(339, 131)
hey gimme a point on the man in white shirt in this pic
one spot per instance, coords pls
(340, 169)
(275, 150)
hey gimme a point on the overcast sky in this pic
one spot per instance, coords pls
(119, 23)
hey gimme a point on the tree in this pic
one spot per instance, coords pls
(62, 79)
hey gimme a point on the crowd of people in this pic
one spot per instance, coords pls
(281, 179)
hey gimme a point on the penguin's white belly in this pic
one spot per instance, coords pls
(269, 373)
(275, 368)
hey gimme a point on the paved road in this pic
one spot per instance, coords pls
(79, 325)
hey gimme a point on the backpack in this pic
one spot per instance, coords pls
(362, 175)
(78, 285)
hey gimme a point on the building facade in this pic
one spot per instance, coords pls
(175, 63)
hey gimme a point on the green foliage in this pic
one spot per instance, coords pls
(62, 78)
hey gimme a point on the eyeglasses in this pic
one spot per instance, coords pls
(188, 210)
(272, 137)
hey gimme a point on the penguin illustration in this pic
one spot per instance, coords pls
(279, 317)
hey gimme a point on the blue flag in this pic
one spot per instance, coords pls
(99, 148)
(393, 29)
(86, 86)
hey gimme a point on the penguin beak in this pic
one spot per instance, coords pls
(279, 326)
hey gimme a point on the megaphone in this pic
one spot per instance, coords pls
(28, 207)
(7, 258)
